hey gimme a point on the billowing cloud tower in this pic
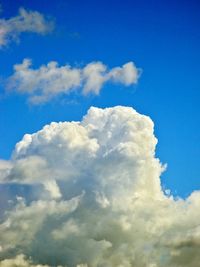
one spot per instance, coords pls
(88, 193)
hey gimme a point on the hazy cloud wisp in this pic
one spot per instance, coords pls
(25, 21)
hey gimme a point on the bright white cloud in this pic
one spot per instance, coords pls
(95, 198)
(51, 80)
(25, 21)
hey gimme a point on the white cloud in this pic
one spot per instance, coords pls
(94, 75)
(5, 167)
(127, 74)
(95, 198)
(25, 21)
(51, 80)
(19, 261)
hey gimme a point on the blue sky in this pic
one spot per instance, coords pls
(161, 37)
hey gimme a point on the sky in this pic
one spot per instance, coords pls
(99, 125)
(161, 38)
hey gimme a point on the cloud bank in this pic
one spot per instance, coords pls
(88, 194)
(51, 80)
(25, 21)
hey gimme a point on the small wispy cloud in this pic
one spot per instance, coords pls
(25, 21)
(51, 80)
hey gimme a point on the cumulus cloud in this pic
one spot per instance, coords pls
(25, 21)
(51, 80)
(95, 198)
